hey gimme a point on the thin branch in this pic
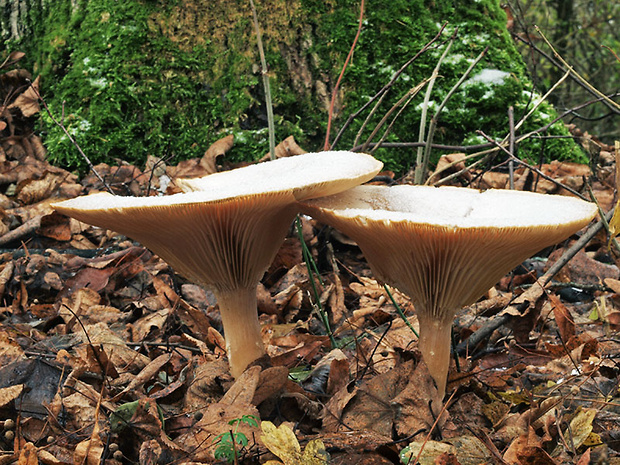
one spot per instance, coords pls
(533, 168)
(420, 168)
(404, 100)
(435, 118)
(326, 146)
(511, 142)
(264, 71)
(379, 95)
(605, 99)
(579, 78)
(72, 140)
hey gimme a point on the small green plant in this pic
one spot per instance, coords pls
(227, 442)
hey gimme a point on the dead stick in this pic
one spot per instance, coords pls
(19, 232)
(533, 293)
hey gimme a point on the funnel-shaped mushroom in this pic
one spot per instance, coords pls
(225, 235)
(445, 247)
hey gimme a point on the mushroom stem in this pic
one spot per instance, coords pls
(238, 309)
(435, 345)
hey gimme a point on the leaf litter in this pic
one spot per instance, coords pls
(109, 356)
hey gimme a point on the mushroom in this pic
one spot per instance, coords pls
(226, 234)
(445, 247)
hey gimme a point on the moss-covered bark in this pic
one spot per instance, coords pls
(167, 78)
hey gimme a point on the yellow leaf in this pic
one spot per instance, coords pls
(315, 453)
(593, 439)
(581, 427)
(281, 441)
(515, 397)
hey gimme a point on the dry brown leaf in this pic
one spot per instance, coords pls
(122, 356)
(28, 455)
(448, 164)
(28, 100)
(9, 394)
(217, 149)
(55, 226)
(420, 404)
(244, 388)
(336, 301)
(31, 190)
(204, 382)
(287, 148)
(89, 452)
(374, 406)
(10, 350)
(215, 421)
(13, 58)
(148, 372)
(271, 382)
(563, 318)
(47, 458)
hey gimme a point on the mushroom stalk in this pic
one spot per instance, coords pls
(434, 344)
(242, 332)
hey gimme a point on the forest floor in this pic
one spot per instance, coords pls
(108, 356)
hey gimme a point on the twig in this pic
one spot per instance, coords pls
(511, 142)
(435, 118)
(533, 168)
(542, 99)
(72, 140)
(403, 101)
(571, 70)
(381, 94)
(605, 99)
(84, 253)
(420, 168)
(263, 71)
(485, 330)
(344, 67)
(29, 226)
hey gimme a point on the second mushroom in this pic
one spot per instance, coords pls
(445, 247)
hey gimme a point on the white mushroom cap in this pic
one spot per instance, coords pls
(225, 235)
(446, 246)
(307, 176)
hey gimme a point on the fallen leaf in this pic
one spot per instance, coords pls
(28, 455)
(9, 394)
(580, 427)
(426, 452)
(282, 442)
(563, 318)
(89, 452)
(28, 100)
(217, 149)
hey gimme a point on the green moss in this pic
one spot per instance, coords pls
(169, 78)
